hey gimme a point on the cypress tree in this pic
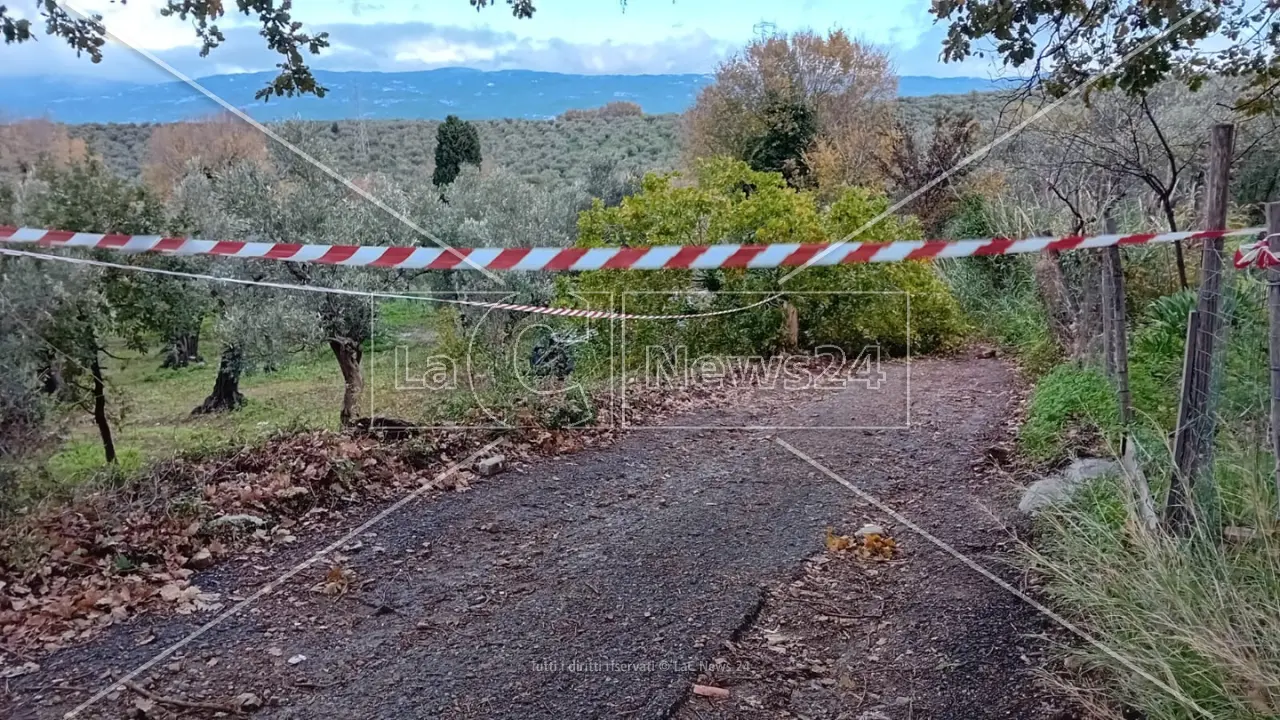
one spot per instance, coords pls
(457, 142)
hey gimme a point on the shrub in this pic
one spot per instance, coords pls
(727, 202)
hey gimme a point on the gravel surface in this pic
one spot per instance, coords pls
(604, 584)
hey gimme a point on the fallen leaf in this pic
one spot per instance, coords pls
(836, 543)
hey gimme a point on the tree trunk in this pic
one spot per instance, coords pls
(790, 326)
(1182, 264)
(349, 354)
(183, 350)
(100, 409)
(226, 388)
(1171, 216)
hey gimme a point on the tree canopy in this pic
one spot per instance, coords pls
(457, 142)
(790, 102)
(1065, 41)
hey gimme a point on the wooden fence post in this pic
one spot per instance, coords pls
(1194, 436)
(1115, 319)
(1273, 311)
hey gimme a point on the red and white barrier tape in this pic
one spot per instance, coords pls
(688, 257)
(1257, 254)
(531, 309)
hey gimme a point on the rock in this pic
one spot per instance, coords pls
(870, 529)
(874, 715)
(237, 520)
(1062, 485)
(201, 560)
(491, 466)
(987, 353)
(248, 702)
(297, 659)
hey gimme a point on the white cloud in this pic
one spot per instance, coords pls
(438, 51)
(139, 23)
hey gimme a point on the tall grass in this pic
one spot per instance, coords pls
(1200, 613)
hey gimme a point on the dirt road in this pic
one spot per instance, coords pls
(604, 584)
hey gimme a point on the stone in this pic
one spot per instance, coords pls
(491, 466)
(248, 702)
(1062, 485)
(201, 560)
(297, 659)
(870, 529)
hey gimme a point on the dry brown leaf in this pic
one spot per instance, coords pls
(836, 543)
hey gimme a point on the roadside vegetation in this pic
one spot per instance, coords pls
(1196, 610)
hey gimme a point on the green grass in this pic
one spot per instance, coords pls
(150, 408)
(1069, 402)
(999, 296)
(1201, 613)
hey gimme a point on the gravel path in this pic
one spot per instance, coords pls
(601, 585)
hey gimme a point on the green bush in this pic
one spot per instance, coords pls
(848, 306)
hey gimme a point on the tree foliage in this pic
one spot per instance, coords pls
(615, 109)
(728, 202)
(789, 131)
(457, 143)
(210, 146)
(779, 86)
(28, 144)
(284, 36)
(1066, 41)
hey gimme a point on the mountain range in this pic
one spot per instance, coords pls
(428, 94)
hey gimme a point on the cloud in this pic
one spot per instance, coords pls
(388, 47)
(396, 47)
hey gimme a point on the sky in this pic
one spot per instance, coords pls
(572, 36)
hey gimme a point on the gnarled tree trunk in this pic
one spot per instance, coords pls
(226, 388)
(349, 354)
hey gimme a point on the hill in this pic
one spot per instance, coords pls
(424, 95)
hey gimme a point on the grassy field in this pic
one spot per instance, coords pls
(151, 407)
